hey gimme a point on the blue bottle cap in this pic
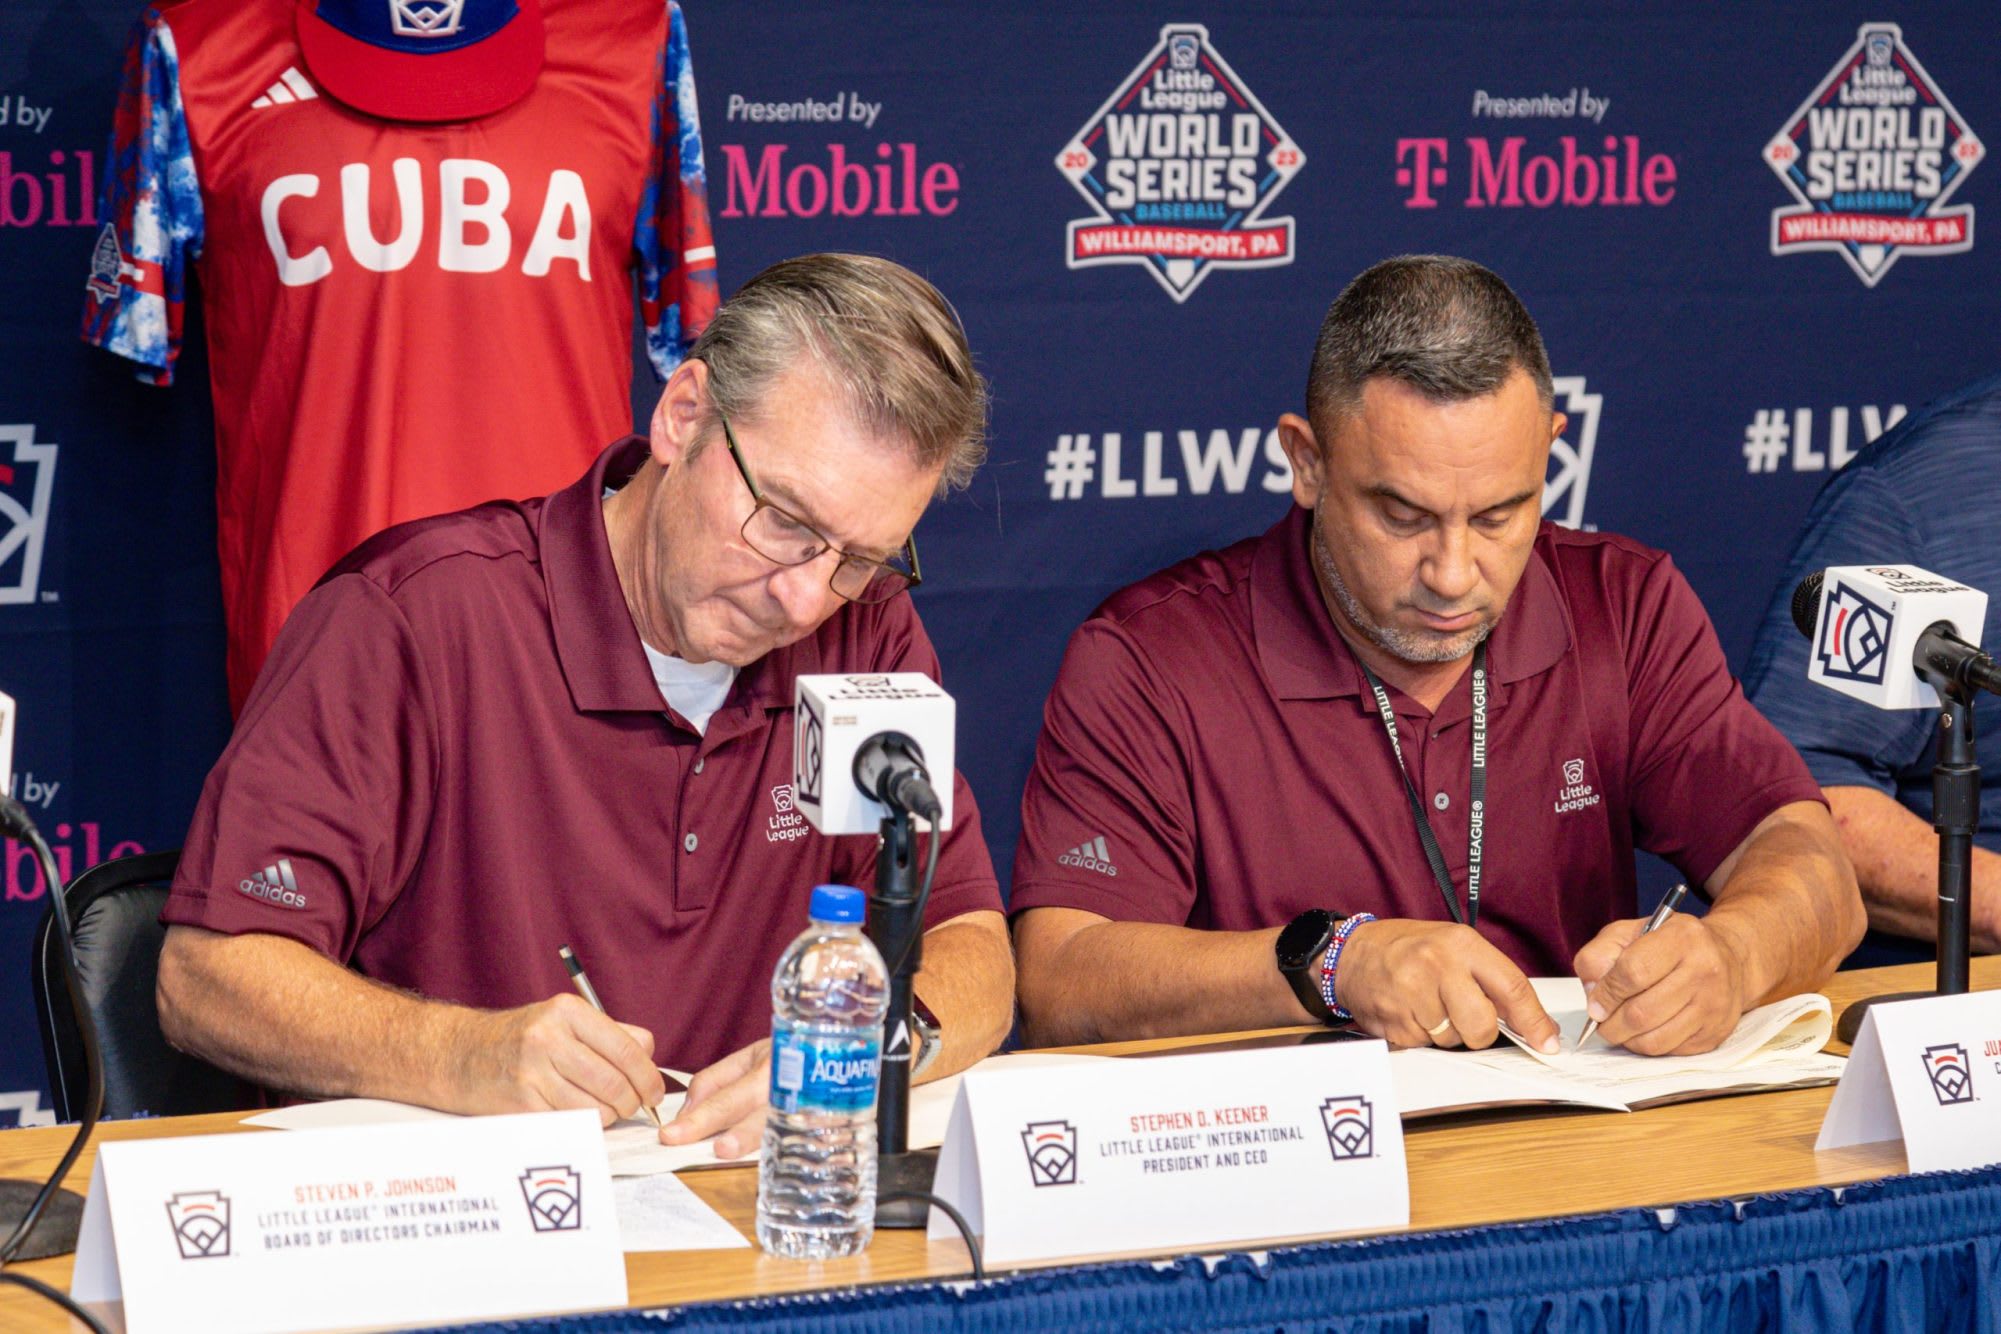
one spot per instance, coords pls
(837, 903)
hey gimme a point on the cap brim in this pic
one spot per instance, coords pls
(465, 84)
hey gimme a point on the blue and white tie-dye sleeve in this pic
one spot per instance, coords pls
(153, 209)
(675, 252)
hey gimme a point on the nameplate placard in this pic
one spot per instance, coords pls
(1175, 1152)
(1927, 1072)
(400, 1224)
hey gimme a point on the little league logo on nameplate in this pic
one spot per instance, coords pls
(1854, 637)
(1179, 166)
(1872, 156)
(201, 1223)
(1351, 1127)
(555, 1198)
(1051, 1147)
(1950, 1072)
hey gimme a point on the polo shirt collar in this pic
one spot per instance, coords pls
(596, 642)
(1304, 656)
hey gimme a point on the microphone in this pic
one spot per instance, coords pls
(867, 746)
(1866, 621)
(890, 767)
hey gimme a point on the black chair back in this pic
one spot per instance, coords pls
(115, 915)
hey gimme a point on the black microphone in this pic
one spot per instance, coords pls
(889, 767)
(1939, 651)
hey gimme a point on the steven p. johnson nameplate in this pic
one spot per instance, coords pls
(396, 1224)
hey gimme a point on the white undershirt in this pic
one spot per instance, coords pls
(693, 690)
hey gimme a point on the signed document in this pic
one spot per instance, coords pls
(1774, 1046)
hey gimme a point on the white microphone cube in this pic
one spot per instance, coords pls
(834, 714)
(1871, 617)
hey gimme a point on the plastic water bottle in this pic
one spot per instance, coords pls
(816, 1179)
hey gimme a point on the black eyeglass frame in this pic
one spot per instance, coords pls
(910, 578)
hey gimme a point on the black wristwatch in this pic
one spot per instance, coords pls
(1299, 949)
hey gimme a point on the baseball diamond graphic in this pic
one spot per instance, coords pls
(1350, 1122)
(555, 1198)
(1854, 637)
(201, 1223)
(1950, 1072)
(1051, 1147)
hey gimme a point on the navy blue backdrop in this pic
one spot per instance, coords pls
(1142, 211)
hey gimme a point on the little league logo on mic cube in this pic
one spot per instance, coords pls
(201, 1223)
(555, 1198)
(1950, 1072)
(1868, 626)
(27, 483)
(1051, 1147)
(1351, 1127)
(1854, 638)
(835, 715)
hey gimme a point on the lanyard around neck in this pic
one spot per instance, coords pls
(1476, 814)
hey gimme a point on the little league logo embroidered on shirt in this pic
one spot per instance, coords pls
(1950, 1072)
(1179, 166)
(201, 1223)
(1051, 1147)
(1872, 156)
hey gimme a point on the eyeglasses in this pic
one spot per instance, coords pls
(780, 536)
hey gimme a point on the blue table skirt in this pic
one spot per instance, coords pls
(1908, 1253)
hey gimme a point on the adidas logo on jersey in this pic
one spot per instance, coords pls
(291, 87)
(274, 884)
(1090, 856)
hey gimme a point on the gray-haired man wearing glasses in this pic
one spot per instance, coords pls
(568, 721)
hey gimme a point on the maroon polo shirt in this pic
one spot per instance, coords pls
(1211, 755)
(457, 760)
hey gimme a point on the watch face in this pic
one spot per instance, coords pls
(1303, 937)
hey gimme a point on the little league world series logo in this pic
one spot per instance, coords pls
(1350, 1123)
(1179, 166)
(1950, 1072)
(1872, 156)
(1051, 1147)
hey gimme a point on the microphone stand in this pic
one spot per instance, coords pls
(40, 1219)
(894, 926)
(1956, 816)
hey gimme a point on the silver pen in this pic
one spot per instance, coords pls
(1669, 902)
(590, 995)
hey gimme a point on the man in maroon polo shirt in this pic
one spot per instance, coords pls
(569, 721)
(1399, 749)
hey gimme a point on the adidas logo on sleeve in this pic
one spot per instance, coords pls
(1091, 855)
(275, 885)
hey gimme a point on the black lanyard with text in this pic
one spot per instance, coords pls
(1476, 814)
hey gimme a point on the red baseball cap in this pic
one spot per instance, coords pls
(423, 60)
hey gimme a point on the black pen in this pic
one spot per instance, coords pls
(1669, 902)
(590, 994)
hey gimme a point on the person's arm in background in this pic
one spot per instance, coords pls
(1896, 860)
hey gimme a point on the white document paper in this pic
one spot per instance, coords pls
(632, 1145)
(660, 1213)
(1924, 1071)
(1054, 1161)
(408, 1223)
(1774, 1046)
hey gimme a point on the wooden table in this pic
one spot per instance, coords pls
(1464, 1172)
